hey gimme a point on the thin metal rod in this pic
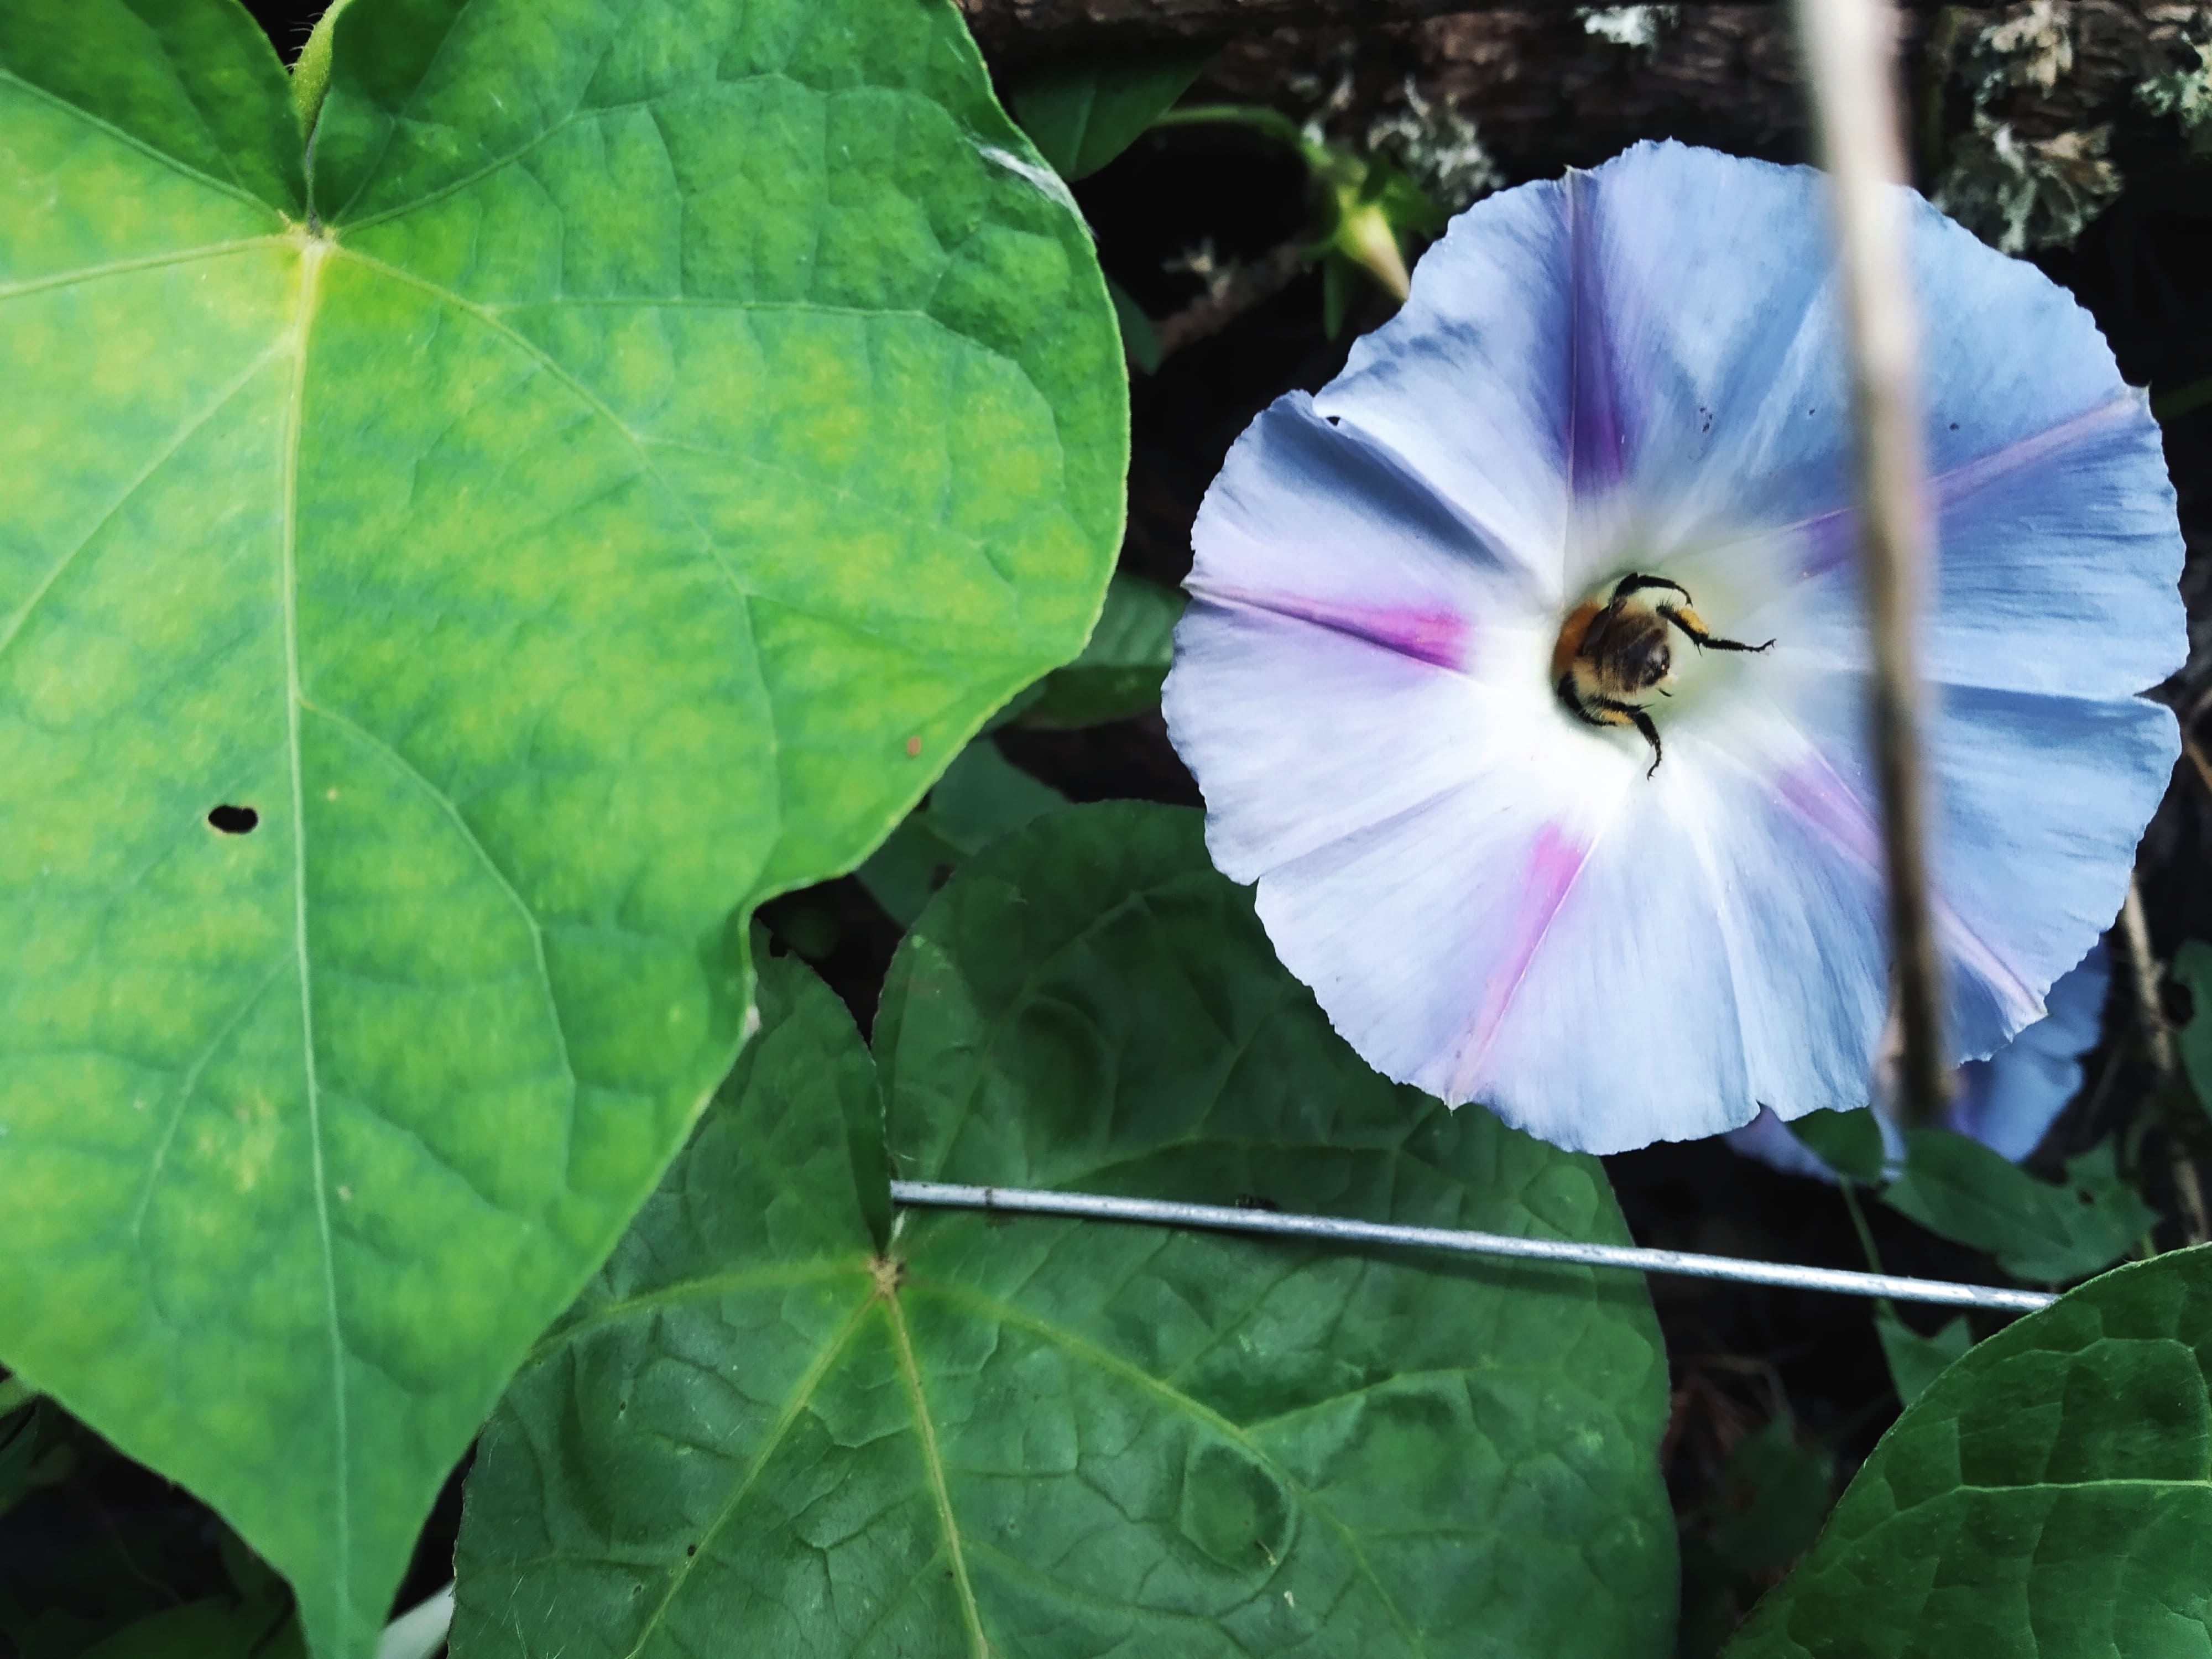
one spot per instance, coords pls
(1850, 48)
(1095, 1207)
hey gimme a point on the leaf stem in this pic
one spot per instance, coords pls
(1268, 123)
(1859, 1226)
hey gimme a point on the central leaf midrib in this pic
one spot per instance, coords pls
(925, 1428)
(1005, 1313)
(312, 255)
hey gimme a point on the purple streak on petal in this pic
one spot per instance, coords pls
(1438, 637)
(1555, 860)
(1827, 541)
(1597, 447)
(2033, 448)
(1829, 538)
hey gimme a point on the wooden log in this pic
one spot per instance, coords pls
(1552, 85)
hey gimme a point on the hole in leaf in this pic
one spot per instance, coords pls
(234, 820)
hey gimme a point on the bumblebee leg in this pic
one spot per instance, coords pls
(1650, 736)
(1694, 625)
(1636, 582)
(1604, 711)
(1572, 700)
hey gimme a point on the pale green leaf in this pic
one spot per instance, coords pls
(1043, 1438)
(2049, 1494)
(673, 430)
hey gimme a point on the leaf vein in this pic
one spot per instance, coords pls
(933, 1463)
(342, 1519)
(991, 1308)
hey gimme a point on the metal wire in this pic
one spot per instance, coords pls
(1097, 1206)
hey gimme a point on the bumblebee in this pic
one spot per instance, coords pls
(1610, 654)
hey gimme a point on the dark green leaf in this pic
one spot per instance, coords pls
(1960, 1189)
(1049, 1439)
(220, 1627)
(2192, 967)
(1773, 1494)
(982, 796)
(1340, 281)
(2050, 1494)
(20, 1441)
(1081, 115)
(674, 429)
(818, 1068)
(1140, 338)
(1850, 1143)
(1122, 669)
(1915, 1360)
(905, 872)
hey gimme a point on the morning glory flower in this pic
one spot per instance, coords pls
(1639, 898)
(2008, 1101)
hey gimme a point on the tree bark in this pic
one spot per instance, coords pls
(1547, 87)
(1003, 23)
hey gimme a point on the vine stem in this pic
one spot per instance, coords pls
(2142, 973)
(1849, 47)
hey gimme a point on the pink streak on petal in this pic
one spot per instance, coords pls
(1554, 863)
(1816, 794)
(1432, 634)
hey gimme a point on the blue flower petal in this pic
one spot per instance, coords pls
(1298, 666)
(1491, 309)
(2008, 1101)
(1734, 399)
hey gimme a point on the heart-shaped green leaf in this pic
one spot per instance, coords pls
(1955, 1187)
(2049, 1493)
(756, 1433)
(434, 606)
